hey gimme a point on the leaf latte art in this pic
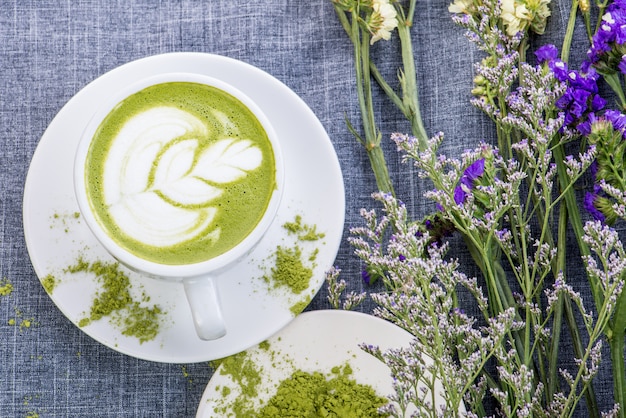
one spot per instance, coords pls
(159, 185)
(180, 172)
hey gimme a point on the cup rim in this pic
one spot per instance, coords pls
(176, 271)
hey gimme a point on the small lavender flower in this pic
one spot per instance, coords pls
(336, 288)
(608, 43)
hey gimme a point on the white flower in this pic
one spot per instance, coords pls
(383, 20)
(515, 16)
(460, 6)
(519, 15)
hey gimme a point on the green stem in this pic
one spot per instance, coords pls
(557, 320)
(574, 217)
(575, 222)
(408, 79)
(371, 141)
(389, 91)
(614, 82)
(616, 334)
(569, 31)
(379, 166)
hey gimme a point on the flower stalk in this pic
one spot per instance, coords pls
(503, 201)
(408, 75)
(353, 17)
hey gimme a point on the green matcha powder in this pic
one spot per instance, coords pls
(115, 302)
(301, 395)
(312, 395)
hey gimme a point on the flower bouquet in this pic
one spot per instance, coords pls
(515, 203)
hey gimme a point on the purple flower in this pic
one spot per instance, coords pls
(581, 100)
(597, 103)
(608, 43)
(546, 53)
(589, 205)
(578, 104)
(459, 195)
(560, 69)
(475, 170)
(470, 175)
(618, 120)
(622, 65)
(366, 277)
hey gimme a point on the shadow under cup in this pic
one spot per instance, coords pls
(179, 176)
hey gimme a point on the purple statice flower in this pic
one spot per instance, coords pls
(559, 69)
(547, 53)
(622, 65)
(618, 120)
(366, 277)
(581, 100)
(589, 203)
(475, 170)
(608, 43)
(459, 195)
(471, 173)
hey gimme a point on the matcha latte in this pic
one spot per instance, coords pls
(179, 173)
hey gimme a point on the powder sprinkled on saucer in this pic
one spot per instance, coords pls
(303, 231)
(246, 375)
(49, 283)
(300, 394)
(114, 301)
(313, 394)
(64, 220)
(292, 265)
(289, 270)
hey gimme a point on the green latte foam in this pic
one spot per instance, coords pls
(241, 203)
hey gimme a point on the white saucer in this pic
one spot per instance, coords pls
(313, 189)
(315, 341)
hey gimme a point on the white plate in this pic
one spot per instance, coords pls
(313, 189)
(314, 341)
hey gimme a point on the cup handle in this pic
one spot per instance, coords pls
(203, 299)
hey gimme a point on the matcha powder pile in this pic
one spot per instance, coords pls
(115, 302)
(293, 264)
(312, 395)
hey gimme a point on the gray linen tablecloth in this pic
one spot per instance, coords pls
(50, 50)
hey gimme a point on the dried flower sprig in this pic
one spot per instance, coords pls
(504, 200)
(450, 351)
(336, 288)
(443, 371)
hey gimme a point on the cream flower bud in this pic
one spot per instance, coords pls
(520, 15)
(461, 6)
(382, 21)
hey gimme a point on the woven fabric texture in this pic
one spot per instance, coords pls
(50, 50)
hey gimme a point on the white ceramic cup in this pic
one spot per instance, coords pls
(199, 278)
